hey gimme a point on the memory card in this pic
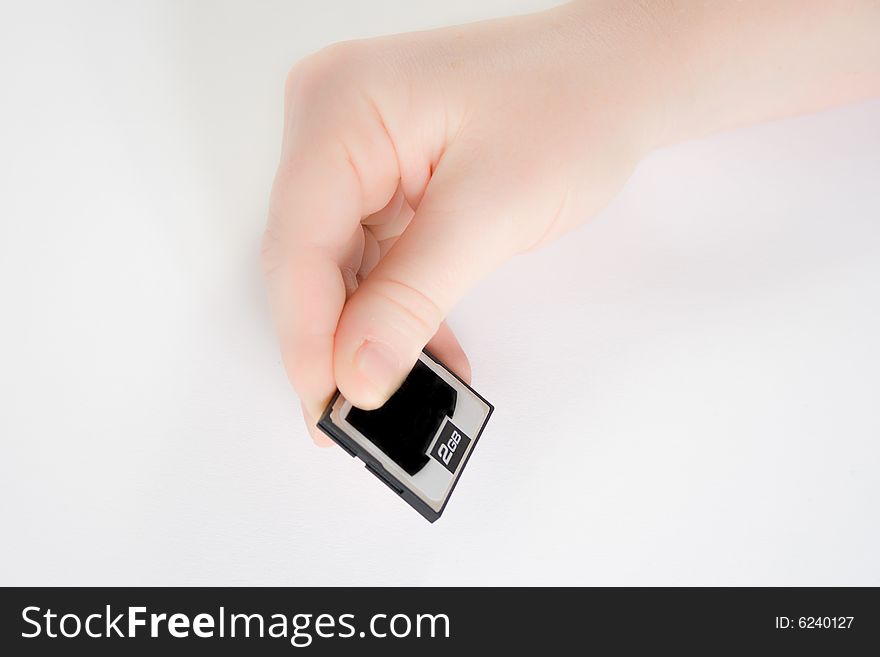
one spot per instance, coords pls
(420, 440)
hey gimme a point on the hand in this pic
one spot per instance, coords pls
(413, 165)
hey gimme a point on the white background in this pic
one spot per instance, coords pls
(686, 388)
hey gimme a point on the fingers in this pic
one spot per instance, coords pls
(443, 345)
(309, 284)
(337, 166)
(452, 242)
(318, 437)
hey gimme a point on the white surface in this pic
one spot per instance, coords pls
(686, 389)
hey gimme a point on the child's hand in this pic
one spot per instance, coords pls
(413, 165)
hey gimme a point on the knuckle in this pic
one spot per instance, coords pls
(330, 65)
(420, 313)
(342, 54)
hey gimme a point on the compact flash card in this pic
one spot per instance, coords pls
(418, 442)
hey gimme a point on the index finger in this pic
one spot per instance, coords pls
(321, 191)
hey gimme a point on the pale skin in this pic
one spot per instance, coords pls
(415, 164)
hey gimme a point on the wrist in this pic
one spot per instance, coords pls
(636, 44)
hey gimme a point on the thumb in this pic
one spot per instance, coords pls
(451, 242)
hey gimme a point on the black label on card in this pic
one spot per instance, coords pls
(450, 446)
